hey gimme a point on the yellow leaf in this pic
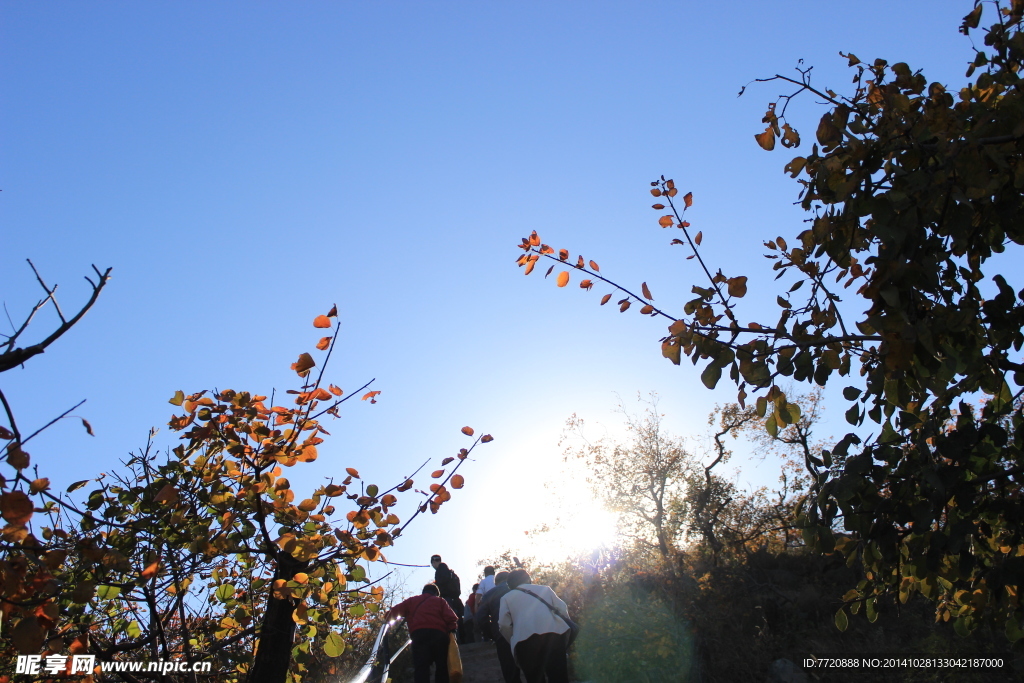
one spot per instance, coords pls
(563, 279)
(178, 398)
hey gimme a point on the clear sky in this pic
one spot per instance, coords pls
(244, 166)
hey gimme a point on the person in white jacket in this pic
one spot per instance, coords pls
(531, 620)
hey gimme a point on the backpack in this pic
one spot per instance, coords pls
(450, 586)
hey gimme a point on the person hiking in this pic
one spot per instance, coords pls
(450, 586)
(487, 616)
(430, 620)
(535, 622)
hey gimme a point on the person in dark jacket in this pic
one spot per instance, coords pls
(448, 583)
(430, 620)
(487, 616)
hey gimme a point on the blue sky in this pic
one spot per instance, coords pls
(243, 167)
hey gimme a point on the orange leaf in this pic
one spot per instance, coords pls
(458, 481)
(688, 199)
(646, 310)
(656, 192)
(563, 254)
(168, 494)
(336, 390)
(150, 571)
(468, 431)
(593, 267)
(623, 305)
(323, 343)
(698, 238)
(405, 486)
(370, 395)
(766, 139)
(646, 291)
(563, 279)
(486, 438)
(529, 267)
(605, 299)
(437, 474)
(579, 262)
(657, 207)
(321, 321)
(586, 284)
(304, 364)
(534, 239)
(353, 472)
(666, 221)
(673, 192)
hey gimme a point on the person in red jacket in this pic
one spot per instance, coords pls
(430, 620)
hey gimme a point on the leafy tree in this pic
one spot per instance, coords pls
(643, 481)
(913, 191)
(210, 556)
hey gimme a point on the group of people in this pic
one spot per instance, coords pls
(528, 623)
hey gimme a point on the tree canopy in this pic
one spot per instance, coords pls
(914, 194)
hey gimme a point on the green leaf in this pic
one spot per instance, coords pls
(771, 426)
(371, 491)
(357, 610)
(178, 398)
(107, 592)
(334, 645)
(358, 573)
(133, 630)
(712, 373)
(225, 592)
(841, 620)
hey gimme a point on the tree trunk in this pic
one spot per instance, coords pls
(277, 634)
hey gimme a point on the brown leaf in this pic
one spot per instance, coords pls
(646, 291)
(88, 427)
(353, 472)
(6, 433)
(549, 272)
(656, 192)
(698, 238)
(766, 139)
(623, 305)
(458, 481)
(647, 310)
(563, 279)
(168, 494)
(304, 364)
(405, 486)
(486, 438)
(16, 507)
(321, 321)
(28, 635)
(586, 284)
(657, 207)
(563, 254)
(38, 485)
(605, 299)
(534, 239)
(17, 458)
(468, 431)
(737, 286)
(688, 200)
(666, 221)
(333, 313)
(437, 474)
(323, 343)
(579, 262)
